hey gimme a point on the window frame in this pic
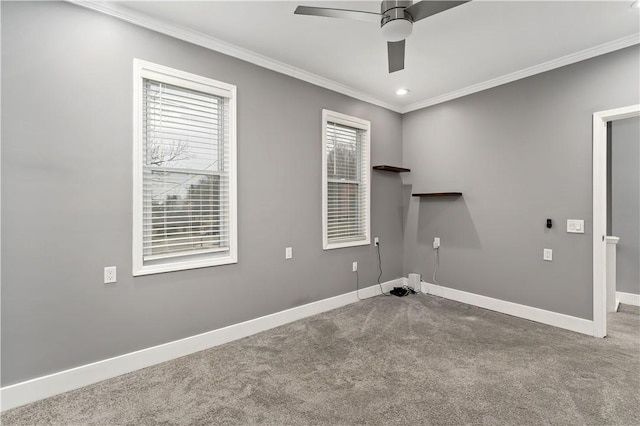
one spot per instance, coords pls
(148, 70)
(361, 124)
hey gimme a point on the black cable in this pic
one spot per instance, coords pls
(380, 275)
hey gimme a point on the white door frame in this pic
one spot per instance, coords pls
(600, 120)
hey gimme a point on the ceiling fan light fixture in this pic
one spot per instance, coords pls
(396, 20)
(397, 30)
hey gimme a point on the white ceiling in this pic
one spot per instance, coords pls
(474, 46)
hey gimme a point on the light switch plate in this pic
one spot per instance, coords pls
(547, 255)
(575, 226)
(288, 252)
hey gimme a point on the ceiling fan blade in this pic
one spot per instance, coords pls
(358, 15)
(395, 49)
(427, 8)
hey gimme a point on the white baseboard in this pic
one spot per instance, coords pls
(64, 381)
(555, 319)
(627, 298)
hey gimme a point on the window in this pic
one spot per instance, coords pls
(345, 181)
(184, 171)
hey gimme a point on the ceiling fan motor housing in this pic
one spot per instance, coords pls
(397, 23)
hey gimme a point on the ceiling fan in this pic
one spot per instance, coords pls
(396, 20)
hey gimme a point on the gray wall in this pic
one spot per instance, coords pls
(67, 195)
(625, 197)
(520, 153)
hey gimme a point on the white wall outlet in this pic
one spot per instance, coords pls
(288, 252)
(110, 274)
(547, 255)
(354, 267)
(376, 241)
(436, 243)
(575, 226)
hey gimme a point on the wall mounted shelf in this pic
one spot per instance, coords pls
(438, 194)
(391, 169)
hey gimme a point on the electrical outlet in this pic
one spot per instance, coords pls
(288, 253)
(376, 241)
(354, 267)
(547, 255)
(436, 243)
(110, 274)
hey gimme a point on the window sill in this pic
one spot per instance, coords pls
(331, 246)
(182, 265)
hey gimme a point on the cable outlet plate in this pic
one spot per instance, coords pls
(354, 267)
(376, 241)
(436, 243)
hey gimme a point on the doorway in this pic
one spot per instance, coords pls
(600, 121)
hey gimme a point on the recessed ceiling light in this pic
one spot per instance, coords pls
(402, 92)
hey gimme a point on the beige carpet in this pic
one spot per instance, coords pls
(387, 360)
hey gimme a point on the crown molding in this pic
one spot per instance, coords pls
(113, 8)
(528, 72)
(116, 10)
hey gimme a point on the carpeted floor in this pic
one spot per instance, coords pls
(386, 360)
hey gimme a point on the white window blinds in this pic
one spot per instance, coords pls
(346, 184)
(185, 171)
(186, 184)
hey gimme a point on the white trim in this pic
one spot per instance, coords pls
(611, 249)
(528, 72)
(358, 123)
(74, 378)
(627, 298)
(555, 319)
(346, 120)
(332, 246)
(600, 120)
(183, 79)
(112, 8)
(141, 70)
